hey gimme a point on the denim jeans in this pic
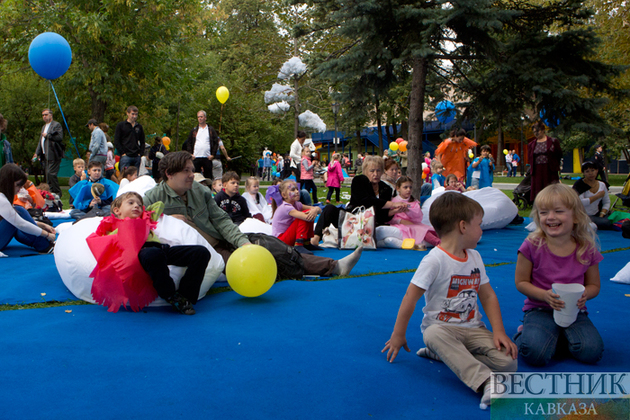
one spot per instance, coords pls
(541, 338)
(126, 161)
(426, 189)
(508, 166)
(8, 232)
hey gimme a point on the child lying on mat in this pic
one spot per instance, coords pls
(451, 277)
(153, 257)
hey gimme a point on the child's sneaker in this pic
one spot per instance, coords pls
(486, 398)
(181, 304)
(425, 352)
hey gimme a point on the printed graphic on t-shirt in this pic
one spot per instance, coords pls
(230, 206)
(461, 299)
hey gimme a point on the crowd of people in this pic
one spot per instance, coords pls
(193, 188)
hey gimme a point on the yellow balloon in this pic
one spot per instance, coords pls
(251, 270)
(223, 94)
(505, 151)
(470, 155)
(393, 145)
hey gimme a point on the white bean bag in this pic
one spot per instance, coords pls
(140, 185)
(251, 225)
(498, 209)
(623, 276)
(75, 261)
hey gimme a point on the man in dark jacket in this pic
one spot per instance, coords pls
(129, 140)
(50, 150)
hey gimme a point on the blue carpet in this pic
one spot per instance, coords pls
(307, 350)
(304, 350)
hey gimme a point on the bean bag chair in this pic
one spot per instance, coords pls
(498, 209)
(75, 261)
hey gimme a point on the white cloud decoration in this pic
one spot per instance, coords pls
(279, 107)
(279, 93)
(293, 67)
(309, 119)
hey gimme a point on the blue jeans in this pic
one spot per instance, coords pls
(80, 214)
(8, 232)
(541, 338)
(126, 161)
(508, 166)
(514, 168)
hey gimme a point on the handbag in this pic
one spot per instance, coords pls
(356, 229)
(330, 237)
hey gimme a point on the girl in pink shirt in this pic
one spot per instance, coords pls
(335, 178)
(562, 249)
(293, 221)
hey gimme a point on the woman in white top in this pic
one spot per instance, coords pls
(15, 222)
(594, 196)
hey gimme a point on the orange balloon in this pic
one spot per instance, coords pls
(403, 146)
(166, 142)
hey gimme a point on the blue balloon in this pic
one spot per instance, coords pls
(445, 112)
(50, 55)
(549, 122)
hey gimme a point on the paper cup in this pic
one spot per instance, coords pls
(569, 294)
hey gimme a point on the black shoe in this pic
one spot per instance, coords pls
(302, 250)
(181, 304)
(312, 247)
(50, 249)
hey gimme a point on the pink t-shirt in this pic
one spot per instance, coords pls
(549, 268)
(281, 218)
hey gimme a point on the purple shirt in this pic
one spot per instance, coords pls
(548, 268)
(281, 218)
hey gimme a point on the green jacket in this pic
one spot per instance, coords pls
(201, 209)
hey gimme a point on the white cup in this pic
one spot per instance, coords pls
(569, 294)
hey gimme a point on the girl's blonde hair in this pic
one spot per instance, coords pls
(435, 164)
(250, 181)
(336, 156)
(583, 233)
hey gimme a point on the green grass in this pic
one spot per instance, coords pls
(616, 180)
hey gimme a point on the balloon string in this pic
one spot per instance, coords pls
(64, 119)
(221, 118)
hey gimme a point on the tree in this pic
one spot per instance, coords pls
(120, 48)
(479, 48)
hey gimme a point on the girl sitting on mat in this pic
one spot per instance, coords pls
(293, 221)
(562, 249)
(453, 184)
(15, 221)
(410, 222)
(258, 206)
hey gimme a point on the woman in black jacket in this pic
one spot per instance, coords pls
(367, 190)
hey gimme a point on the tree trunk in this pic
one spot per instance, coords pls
(378, 125)
(98, 105)
(404, 129)
(297, 108)
(416, 123)
(360, 146)
(500, 159)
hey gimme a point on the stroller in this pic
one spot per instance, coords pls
(521, 192)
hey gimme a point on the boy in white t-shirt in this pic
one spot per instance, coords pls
(451, 277)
